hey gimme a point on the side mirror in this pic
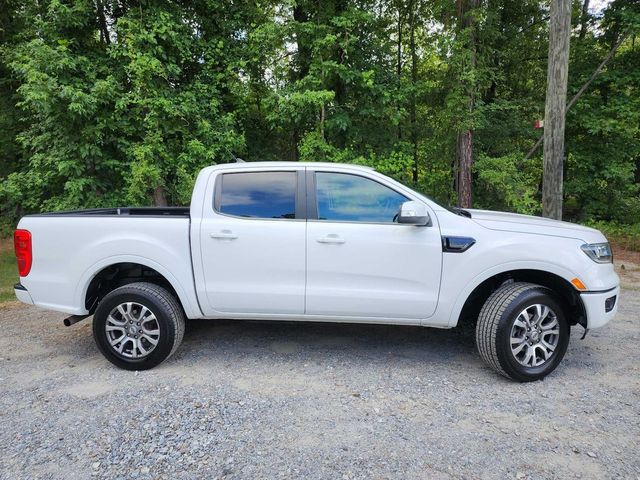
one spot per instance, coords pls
(414, 213)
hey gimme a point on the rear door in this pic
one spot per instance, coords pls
(253, 242)
(360, 262)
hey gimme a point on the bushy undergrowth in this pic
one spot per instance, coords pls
(624, 236)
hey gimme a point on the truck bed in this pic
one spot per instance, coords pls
(70, 248)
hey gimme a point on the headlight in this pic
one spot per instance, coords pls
(598, 252)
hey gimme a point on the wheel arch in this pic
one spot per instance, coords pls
(566, 293)
(114, 272)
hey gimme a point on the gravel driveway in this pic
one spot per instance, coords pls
(287, 400)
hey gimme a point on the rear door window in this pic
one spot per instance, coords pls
(258, 195)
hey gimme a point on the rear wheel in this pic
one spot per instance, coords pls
(522, 332)
(138, 326)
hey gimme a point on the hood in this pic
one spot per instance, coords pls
(514, 222)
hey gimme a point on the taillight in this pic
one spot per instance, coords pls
(22, 245)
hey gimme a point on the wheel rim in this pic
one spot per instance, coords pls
(535, 335)
(132, 330)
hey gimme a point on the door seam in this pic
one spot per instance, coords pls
(306, 243)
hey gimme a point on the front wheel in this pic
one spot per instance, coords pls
(138, 326)
(522, 332)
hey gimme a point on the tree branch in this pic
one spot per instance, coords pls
(584, 87)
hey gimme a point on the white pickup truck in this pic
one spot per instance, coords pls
(317, 242)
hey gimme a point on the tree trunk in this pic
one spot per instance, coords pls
(414, 81)
(584, 18)
(102, 22)
(464, 145)
(159, 197)
(399, 64)
(303, 49)
(303, 63)
(338, 85)
(464, 151)
(554, 114)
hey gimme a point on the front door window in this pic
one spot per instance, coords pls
(344, 197)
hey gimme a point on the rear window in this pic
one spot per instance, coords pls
(258, 194)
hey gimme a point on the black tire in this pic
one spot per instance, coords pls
(169, 320)
(494, 329)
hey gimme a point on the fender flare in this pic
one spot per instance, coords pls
(466, 291)
(191, 308)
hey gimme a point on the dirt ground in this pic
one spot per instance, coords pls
(287, 400)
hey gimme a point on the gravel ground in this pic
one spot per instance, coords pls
(286, 400)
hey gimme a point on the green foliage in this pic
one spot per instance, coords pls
(508, 184)
(112, 122)
(8, 270)
(108, 103)
(623, 235)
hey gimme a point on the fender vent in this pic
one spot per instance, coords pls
(457, 244)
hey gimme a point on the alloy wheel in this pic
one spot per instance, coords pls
(535, 335)
(132, 330)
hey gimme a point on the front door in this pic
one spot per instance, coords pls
(360, 262)
(253, 243)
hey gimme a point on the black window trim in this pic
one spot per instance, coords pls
(300, 194)
(312, 204)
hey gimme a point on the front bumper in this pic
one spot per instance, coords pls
(22, 294)
(597, 306)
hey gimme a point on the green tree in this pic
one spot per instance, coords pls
(107, 103)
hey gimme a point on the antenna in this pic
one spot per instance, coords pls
(233, 156)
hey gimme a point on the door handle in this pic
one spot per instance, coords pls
(224, 235)
(331, 238)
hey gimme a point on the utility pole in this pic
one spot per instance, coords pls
(555, 108)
